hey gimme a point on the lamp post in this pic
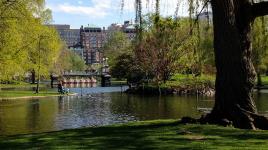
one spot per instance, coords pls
(105, 77)
(105, 66)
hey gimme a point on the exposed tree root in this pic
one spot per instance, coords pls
(238, 117)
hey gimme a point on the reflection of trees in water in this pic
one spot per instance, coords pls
(33, 114)
(1, 120)
(97, 109)
(154, 107)
(261, 102)
(61, 104)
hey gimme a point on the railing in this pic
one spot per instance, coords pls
(80, 73)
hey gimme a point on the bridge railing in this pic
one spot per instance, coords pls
(80, 73)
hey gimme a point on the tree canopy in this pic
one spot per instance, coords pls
(235, 73)
(24, 38)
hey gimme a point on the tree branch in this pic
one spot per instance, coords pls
(260, 9)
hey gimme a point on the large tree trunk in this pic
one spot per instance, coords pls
(235, 72)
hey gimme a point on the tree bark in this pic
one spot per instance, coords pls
(235, 71)
(33, 76)
(52, 81)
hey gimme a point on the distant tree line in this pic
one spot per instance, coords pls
(167, 48)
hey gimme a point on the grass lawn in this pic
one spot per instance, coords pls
(264, 80)
(24, 92)
(189, 80)
(166, 135)
(13, 94)
(20, 85)
(115, 81)
(180, 79)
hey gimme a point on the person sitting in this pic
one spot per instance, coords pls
(60, 88)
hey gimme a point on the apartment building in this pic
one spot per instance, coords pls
(70, 36)
(93, 39)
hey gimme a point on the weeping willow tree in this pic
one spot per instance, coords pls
(235, 77)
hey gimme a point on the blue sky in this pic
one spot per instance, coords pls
(102, 12)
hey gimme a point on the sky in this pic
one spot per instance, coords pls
(102, 13)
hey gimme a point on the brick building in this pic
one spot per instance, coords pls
(128, 28)
(93, 39)
(88, 41)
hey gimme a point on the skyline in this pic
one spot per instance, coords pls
(103, 13)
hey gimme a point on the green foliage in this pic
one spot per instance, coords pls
(121, 60)
(260, 44)
(69, 61)
(126, 67)
(180, 80)
(166, 47)
(117, 44)
(77, 62)
(204, 56)
(45, 50)
(264, 80)
(23, 38)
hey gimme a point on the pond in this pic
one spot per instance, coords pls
(97, 107)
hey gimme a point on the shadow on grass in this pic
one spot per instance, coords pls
(151, 135)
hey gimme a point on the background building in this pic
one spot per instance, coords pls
(78, 49)
(88, 41)
(70, 36)
(128, 28)
(93, 39)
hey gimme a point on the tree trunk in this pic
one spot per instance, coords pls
(33, 77)
(235, 71)
(52, 81)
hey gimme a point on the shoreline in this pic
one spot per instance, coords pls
(32, 97)
(180, 91)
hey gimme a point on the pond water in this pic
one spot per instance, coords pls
(98, 106)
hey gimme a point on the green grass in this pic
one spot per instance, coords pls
(13, 94)
(189, 80)
(142, 135)
(115, 81)
(27, 92)
(264, 80)
(20, 85)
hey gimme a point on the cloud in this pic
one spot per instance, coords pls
(104, 8)
(98, 8)
(167, 7)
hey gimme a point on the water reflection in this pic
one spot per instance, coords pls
(96, 109)
(261, 101)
